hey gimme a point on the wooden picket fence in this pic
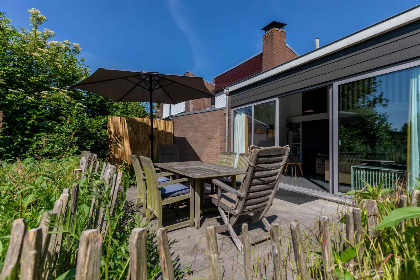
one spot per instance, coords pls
(130, 136)
(34, 251)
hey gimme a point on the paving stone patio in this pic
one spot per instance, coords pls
(190, 246)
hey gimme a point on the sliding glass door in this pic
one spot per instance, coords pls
(255, 124)
(242, 129)
(378, 129)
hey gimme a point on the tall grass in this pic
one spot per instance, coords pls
(29, 188)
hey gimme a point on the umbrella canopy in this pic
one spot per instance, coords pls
(130, 86)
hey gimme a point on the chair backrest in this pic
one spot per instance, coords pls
(261, 179)
(141, 186)
(227, 159)
(154, 197)
(242, 163)
(168, 153)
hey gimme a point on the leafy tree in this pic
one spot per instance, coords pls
(41, 114)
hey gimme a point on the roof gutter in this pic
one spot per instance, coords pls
(381, 27)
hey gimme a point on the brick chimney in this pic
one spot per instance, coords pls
(275, 50)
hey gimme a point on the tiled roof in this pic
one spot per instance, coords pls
(239, 72)
(208, 85)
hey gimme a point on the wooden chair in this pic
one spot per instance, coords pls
(160, 194)
(168, 153)
(141, 184)
(256, 192)
(227, 159)
(241, 163)
(294, 164)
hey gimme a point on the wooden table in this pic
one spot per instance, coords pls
(198, 172)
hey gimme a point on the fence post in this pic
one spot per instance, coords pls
(213, 252)
(30, 261)
(73, 203)
(11, 262)
(84, 162)
(358, 232)
(46, 227)
(138, 254)
(373, 216)
(299, 251)
(350, 236)
(89, 256)
(349, 229)
(327, 254)
(247, 252)
(415, 202)
(165, 254)
(402, 204)
(50, 247)
(415, 198)
(62, 217)
(279, 272)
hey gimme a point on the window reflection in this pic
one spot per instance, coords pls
(264, 124)
(378, 130)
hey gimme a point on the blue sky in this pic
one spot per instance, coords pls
(204, 37)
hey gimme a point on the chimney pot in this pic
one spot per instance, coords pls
(316, 43)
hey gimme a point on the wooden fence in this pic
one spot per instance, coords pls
(130, 136)
(36, 251)
(33, 250)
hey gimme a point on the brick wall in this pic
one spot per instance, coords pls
(197, 105)
(200, 136)
(275, 49)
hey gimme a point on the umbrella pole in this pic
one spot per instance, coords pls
(152, 137)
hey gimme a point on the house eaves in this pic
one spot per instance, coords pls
(367, 33)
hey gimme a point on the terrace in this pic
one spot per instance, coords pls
(190, 245)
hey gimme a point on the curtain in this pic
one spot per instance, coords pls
(413, 157)
(239, 145)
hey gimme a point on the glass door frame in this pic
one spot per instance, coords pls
(334, 119)
(252, 105)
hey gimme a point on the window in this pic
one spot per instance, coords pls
(379, 129)
(265, 124)
(220, 100)
(173, 109)
(242, 129)
(255, 124)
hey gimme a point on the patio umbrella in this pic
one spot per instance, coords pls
(144, 86)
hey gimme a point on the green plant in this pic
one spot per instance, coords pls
(41, 115)
(30, 187)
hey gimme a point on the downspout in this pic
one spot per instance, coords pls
(227, 118)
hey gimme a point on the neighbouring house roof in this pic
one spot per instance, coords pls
(367, 33)
(238, 72)
(208, 85)
(243, 70)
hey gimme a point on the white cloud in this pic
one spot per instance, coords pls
(197, 48)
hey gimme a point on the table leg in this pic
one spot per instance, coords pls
(192, 204)
(197, 203)
(233, 182)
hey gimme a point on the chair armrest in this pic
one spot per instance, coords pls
(227, 188)
(164, 174)
(164, 184)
